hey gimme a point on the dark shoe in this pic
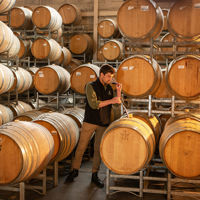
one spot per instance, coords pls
(96, 180)
(73, 174)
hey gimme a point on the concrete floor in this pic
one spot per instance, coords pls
(80, 189)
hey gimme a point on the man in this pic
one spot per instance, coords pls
(99, 100)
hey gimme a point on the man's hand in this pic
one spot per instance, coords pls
(115, 100)
(119, 89)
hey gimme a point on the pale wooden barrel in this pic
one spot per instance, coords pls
(76, 114)
(70, 14)
(133, 146)
(100, 56)
(28, 116)
(6, 5)
(64, 130)
(24, 79)
(183, 19)
(153, 121)
(26, 149)
(46, 17)
(81, 43)
(108, 28)
(140, 19)
(6, 39)
(183, 77)
(32, 71)
(163, 91)
(52, 78)
(7, 79)
(170, 38)
(15, 48)
(25, 48)
(65, 57)
(139, 75)
(179, 146)
(20, 17)
(82, 75)
(43, 48)
(19, 107)
(113, 50)
(6, 114)
(74, 63)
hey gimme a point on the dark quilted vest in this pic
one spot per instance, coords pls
(100, 116)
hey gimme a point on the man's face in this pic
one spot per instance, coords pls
(107, 78)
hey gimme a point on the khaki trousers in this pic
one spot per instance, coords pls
(85, 137)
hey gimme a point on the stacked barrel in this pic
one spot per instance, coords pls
(141, 74)
(135, 137)
(36, 139)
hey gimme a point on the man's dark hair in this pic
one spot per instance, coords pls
(106, 68)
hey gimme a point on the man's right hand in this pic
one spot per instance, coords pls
(116, 100)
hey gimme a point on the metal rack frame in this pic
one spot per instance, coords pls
(172, 102)
(140, 178)
(41, 189)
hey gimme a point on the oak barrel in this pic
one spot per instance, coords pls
(7, 79)
(6, 114)
(64, 130)
(183, 19)
(108, 28)
(24, 79)
(74, 63)
(70, 14)
(65, 57)
(14, 48)
(28, 116)
(140, 19)
(19, 107)
(113, 50)
(100, 56)
(183, 77)
(153, 121)
(179, 146)
(52, 78)
(139, 75)
(25, 48)
(6, 39)
(181, 48)
(44, 48)
(82, 75)
(26, 149)
(127, 145)
(76, 114)
(46, 17)
(6, 5)
(32, 71)
(20, 17)
(81, 43)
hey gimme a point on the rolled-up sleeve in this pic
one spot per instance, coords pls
(92, 97)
